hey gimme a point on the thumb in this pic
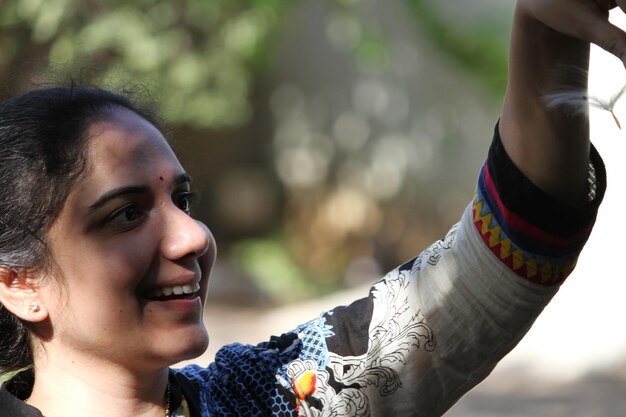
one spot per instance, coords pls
(583, 19)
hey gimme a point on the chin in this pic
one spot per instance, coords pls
(197, 349)
(184, 347)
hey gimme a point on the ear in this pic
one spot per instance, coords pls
(18, 294)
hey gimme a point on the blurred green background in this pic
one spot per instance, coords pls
(329, 140)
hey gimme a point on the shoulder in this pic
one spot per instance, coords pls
(244, 380)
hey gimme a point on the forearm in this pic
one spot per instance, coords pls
(549, 145)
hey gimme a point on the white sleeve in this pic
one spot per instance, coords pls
(429, 331)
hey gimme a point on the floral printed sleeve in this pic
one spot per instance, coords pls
(428, 331)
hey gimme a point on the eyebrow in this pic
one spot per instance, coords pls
(133, 189)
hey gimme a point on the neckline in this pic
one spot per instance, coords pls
(12, 404)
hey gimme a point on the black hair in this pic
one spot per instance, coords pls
(42, 154)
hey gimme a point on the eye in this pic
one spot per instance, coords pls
(126, 215)
(185, 200)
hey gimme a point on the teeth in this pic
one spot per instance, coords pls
(176, 290)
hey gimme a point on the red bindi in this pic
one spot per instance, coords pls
(161, 178)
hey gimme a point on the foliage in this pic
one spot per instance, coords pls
(348, 31)
(270, 264)
(338, 156)
(481, 50)
(197, 54)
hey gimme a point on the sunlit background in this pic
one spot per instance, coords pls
(331, 140)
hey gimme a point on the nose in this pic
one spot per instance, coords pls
(184, 237)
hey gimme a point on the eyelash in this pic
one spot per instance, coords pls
(188, 200)
(116, 216)
(184, 201)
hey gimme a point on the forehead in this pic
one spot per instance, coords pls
(125, 143)
(122, 150)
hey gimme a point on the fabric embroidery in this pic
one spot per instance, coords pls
(342, 387)
(433, 253)
(533, 267)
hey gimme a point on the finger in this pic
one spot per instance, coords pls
(608, 37)
(606, 5)
(588, 20)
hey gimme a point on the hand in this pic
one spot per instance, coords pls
(586, 20)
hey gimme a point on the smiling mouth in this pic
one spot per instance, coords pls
(178, 292)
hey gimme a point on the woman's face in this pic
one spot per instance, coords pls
(132, 265)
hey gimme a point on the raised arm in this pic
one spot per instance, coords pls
(550, 52)
(434, 327)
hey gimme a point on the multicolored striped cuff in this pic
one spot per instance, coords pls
(535, 236)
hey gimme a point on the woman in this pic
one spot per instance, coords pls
(103, 272)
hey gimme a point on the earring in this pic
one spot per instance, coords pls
(34, 307)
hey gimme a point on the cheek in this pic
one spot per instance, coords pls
(206, 266)
(105, 271)
(54, 295)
